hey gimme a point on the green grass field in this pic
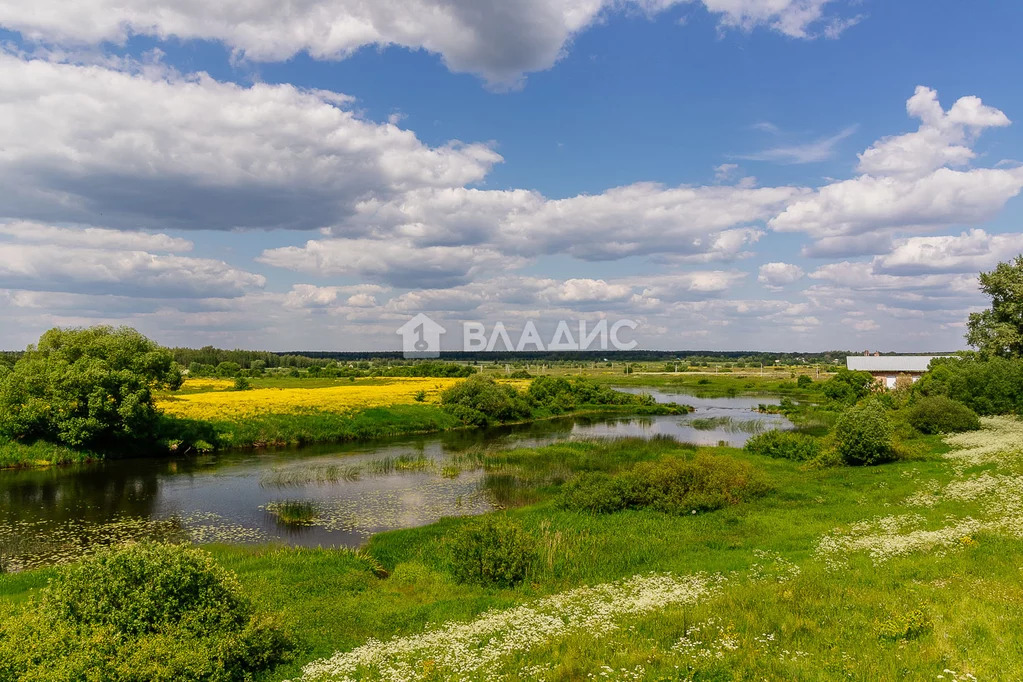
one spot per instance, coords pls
(910, 570)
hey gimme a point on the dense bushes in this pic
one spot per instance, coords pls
(492, 550)
(148, 612)
(675, 485)
(848, 386)
(784, 445)
(480, 400)
(86, 388)
(863, 434)
(993, 386)
(558, 394)
(940, 414)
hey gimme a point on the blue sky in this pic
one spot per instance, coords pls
(731, 174)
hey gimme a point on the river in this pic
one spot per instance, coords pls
(354, 490)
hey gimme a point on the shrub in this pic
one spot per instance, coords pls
(804, 381)
(598, 493)
(242, 384)
(784, 445)
(848, 386)
(939, 414)
(992, 386)
(863, 434)
(146, 612)
(702, 483)
(480, 400)
(674, 485)
(492, 550)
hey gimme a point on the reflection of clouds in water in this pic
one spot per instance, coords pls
(54, 516)
(379, 510)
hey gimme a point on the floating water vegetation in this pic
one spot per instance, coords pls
(728, 424)
(33, 544)
(308, 474)
(293, 512)
(324, 474)
(390, 465)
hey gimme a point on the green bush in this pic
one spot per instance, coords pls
(863, 434)
(784, 445)
(678, 485)
(986, 386)
(804, 381)
(598, 493)
(146, 612)
(492, 550)
(939, 414)
(480, 400)
(674, 485)
(848, 386)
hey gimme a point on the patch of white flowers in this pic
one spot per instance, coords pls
(478, 648)
(1000, 439)
(999, 442)
(883, 538)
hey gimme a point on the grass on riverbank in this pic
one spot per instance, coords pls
(14, 455)
(908, 570)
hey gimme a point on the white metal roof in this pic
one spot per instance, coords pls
(890, 363)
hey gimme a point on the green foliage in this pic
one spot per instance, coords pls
(987, 386)
(674, 485)
(784, 445)
(480, 400)
(863, 434)
(242, 384)
(904, 626)
(998, 331)
(227, 370)
(940, 414)
(86, 388)
(146, 612)
(492, 550)
(804, 381)
(559, 394)
(682, 485)
(848, 386)
(420, 396)
(599, 493)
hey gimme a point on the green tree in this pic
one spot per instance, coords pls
(998, 331)
(86, 387)
(863, 434)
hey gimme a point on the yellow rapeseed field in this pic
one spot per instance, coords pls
(343, 398)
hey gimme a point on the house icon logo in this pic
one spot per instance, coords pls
(420, 337)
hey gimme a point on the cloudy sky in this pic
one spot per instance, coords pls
(730, 174)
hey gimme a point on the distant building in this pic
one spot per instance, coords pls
(887, 368)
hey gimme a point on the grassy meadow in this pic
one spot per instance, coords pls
(908, 570)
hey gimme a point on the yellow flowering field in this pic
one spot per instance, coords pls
(343, 398)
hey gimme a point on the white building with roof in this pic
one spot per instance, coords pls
(887, 368)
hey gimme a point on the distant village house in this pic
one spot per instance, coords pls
(888, 368)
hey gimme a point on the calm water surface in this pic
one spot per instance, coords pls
(56, 514)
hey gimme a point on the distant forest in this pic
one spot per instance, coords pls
(208, 355)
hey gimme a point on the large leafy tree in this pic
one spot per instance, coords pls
(86, 387)
(998, 331)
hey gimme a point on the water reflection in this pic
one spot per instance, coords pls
(355, 489)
